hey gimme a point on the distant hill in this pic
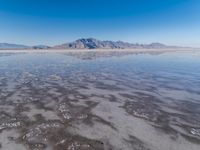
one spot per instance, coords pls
(91, 43)
(41, 47)
(18, 46)
(12, 46)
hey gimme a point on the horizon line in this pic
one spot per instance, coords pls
(70, 41)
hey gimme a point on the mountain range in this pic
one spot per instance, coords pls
(89, 43)
(12, 46)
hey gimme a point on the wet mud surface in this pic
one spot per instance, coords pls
(98, 102)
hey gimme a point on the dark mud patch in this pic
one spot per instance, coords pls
(162, 120)
(136, 143)
(91, 119)
(104, 86)
(54, 134)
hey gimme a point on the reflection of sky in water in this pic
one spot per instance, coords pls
(181, 68)
(169, 62)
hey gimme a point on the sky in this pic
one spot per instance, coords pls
(52, 22)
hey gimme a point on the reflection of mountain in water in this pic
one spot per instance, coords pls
(100, 54)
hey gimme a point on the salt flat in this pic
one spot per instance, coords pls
(96, 99)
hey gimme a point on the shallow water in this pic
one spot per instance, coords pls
(94, 100)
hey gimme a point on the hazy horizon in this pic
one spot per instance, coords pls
(172, 22)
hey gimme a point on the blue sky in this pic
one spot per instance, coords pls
(32, 22)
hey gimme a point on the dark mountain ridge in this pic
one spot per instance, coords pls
(91, 43)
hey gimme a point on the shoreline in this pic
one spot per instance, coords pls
(94, 50)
